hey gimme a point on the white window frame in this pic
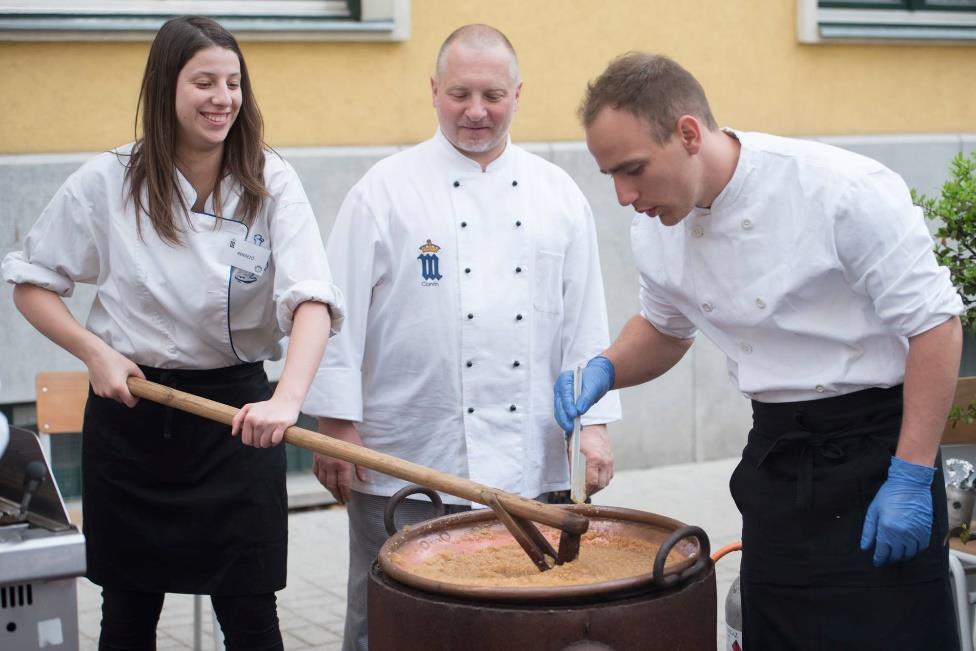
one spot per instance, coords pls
(815, 24)
(138, 20)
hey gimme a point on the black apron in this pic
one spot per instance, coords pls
(808, 473)
(173, 503)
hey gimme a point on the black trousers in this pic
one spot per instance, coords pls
(249, 622)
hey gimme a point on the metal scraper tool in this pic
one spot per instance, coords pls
(577, 464)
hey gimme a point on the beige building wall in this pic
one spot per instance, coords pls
(81, 96)
(335, 108)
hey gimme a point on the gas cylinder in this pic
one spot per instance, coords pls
(733, 618)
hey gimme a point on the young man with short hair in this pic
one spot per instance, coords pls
(811, 269)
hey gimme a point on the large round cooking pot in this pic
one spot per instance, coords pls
(671, 606)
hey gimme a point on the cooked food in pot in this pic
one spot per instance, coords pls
(502, 563)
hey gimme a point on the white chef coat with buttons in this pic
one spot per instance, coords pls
(467, 293)
(810, 271)
(180, 306)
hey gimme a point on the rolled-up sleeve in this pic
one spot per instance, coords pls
(661, 314)
(302, 270)
(60, 250)
(886, 253)
(355, 249)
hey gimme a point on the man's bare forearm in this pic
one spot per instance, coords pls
(641, 352)
(931, 374)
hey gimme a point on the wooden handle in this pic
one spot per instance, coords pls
(464, 488)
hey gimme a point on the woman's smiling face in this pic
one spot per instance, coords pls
(208, 98)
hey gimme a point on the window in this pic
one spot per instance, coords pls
(247, 19)
(821, 21)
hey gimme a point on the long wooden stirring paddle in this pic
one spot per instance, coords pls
(522, 511)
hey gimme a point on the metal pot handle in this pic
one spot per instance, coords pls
(400, 495)
(704, 548)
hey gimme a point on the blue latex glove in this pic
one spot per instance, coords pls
(899, 520)
(598, 378)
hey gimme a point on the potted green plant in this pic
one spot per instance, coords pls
(955, 246)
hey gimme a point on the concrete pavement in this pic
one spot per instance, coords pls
(312, 607)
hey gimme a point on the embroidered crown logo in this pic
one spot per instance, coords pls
(429, 263)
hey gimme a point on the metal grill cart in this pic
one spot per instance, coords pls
(41, 553)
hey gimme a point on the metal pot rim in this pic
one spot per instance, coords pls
(690, 551)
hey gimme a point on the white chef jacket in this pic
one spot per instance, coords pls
(810, 271)
(467, 293)
(179, 306)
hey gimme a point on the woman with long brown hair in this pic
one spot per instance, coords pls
(205, 255)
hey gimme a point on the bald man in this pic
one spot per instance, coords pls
(471, 276)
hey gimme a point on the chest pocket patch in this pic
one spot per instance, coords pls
(547, 288)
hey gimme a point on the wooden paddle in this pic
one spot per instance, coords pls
(520, 511)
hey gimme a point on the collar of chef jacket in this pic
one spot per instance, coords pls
(209, 207)
(744, 168)
(458, 163)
